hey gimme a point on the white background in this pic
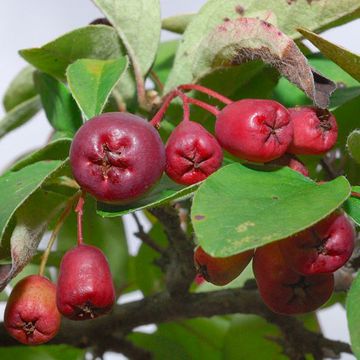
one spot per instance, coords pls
(32, 23)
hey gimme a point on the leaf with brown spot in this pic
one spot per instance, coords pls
(241, 40)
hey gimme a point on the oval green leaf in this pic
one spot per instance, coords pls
(91, 82)
(352, 205)
(353, 315)
(353, 145)
(238, 208)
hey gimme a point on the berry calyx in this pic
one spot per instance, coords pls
(254, 130)
(31, 315)
(221, 271)
(315, 130)
(85, 288)
(117, 157)
(192, 153)
(285, 291)
(323, 248)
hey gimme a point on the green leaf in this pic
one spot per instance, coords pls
(353, 145)
(90, 42)
(347, 60)
(353, 315)
(252, 204)
(185, 340)
(60, 107)
(164, 192)
(106, 234)
(91, 82)
(313, 15)
(352, 206)
(56, 150)
(19, 115)
(20, 89)
(138, 24)
(250, 337)
(44, 352)
(178, 23)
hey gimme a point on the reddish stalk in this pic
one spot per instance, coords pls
(206, 91)
(355, 194)
(155, 121)
(210, 108)
(80, 211)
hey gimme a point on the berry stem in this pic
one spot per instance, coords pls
(54, 234)
(210, 108)
(186, 107)
(207, 91)
(355, 194)
(155, 121)
(80, 211)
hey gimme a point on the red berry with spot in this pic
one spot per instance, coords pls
(192, 153)
(85, 288)
(285, 291)
(292, 162)
(117, 157)
(31, 315)
(254, 130)
(323, 248)
(221, 271)
(315, 130)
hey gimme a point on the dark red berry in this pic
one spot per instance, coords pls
(285, 291)
(31, 315)
(323, 248)
(85, 288)
(192, 153)
(254, 130)
(220, 271)
(117, 157)
(292, 162)
(315, 130)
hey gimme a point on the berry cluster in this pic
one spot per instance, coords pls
(294, 275)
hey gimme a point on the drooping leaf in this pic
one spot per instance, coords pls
(352, 205)
(353, 315)
(91, 82)
(20, 89)
(138, 24)
(90, 42)
(244, 39)
(353, 145)
(347, 60)
(238, 208)
(164, 192)
(107, 234)
(44, 352)
(19, 115)
(178, 23)
(289, 16)
(60, 107)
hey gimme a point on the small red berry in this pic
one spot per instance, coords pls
(192, 153)
(292, 162)
(254, 130)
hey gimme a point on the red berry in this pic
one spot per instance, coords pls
(192, 153)
(292, 162)
(285, 291)
(31, 315)
(315, 130)
(323, 248)
(117, 157)
(254, 130)
(85, 288)
(221, 271)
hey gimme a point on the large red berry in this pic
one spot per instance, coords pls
(285, 291)
(254, 130)
(323, 248)
(220, 271)
(117, 157)
(85, 288)
(31, 315)
(315, 130)
(192, 153)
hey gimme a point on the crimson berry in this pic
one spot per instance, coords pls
(285, 291)
(117, 157)
(221, 271)
(192, 153)
(85, 288)
(31, 315)
(292, 162)
(323, 248)
(254, 130)
(315, 130)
